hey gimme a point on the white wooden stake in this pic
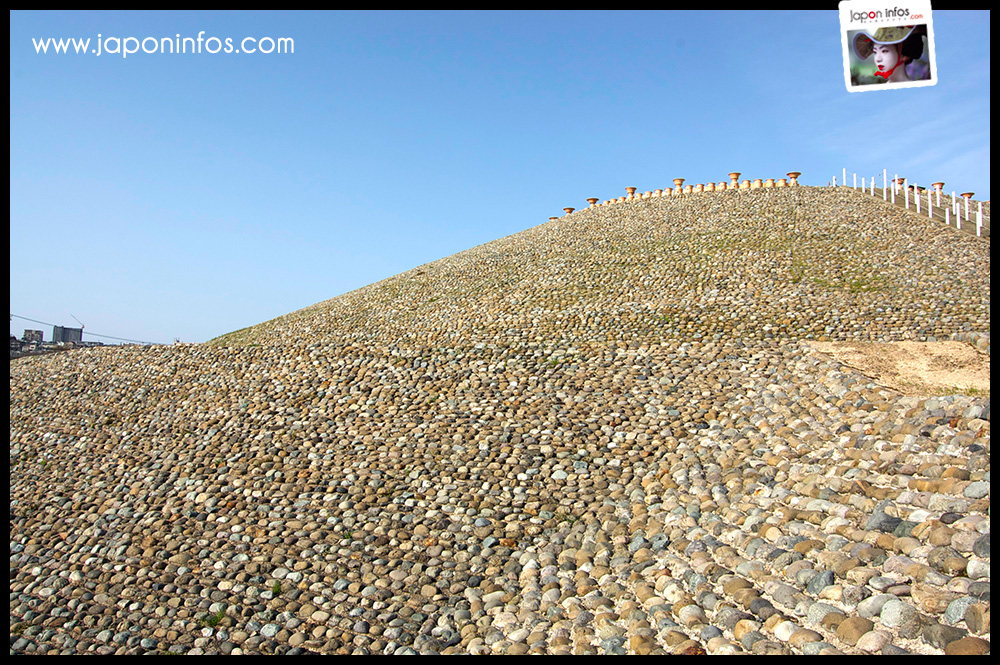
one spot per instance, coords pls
(906, 193)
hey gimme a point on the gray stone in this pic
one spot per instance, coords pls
(982, 547)
(820, 581)
(882, 522)
(976, 490)
(902, 617)
(870, 608)
(819, 610)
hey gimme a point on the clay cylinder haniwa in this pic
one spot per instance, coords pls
(631, 192)
(769, 183)
(678, 184)
(793, 178)
(593, 201)
(734, 179)
(745, 184)
(781, 183)
(757, 183)
(568, 210)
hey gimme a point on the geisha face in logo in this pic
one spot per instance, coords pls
(891, 50)
(886, 56)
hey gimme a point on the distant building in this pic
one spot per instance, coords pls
(68, 335)
(32, 336)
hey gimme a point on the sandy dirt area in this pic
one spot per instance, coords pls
(916, 368)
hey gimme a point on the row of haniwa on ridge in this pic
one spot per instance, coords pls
(680, 188)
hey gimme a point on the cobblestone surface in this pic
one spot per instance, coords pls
(606, 434)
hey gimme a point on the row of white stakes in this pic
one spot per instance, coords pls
(887, 194)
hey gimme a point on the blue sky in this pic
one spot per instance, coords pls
(162, 196)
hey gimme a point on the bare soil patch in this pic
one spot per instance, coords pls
(916, 368)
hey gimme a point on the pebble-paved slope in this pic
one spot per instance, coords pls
(760, 264)
(606, 434)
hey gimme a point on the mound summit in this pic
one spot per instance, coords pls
(606, 434)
